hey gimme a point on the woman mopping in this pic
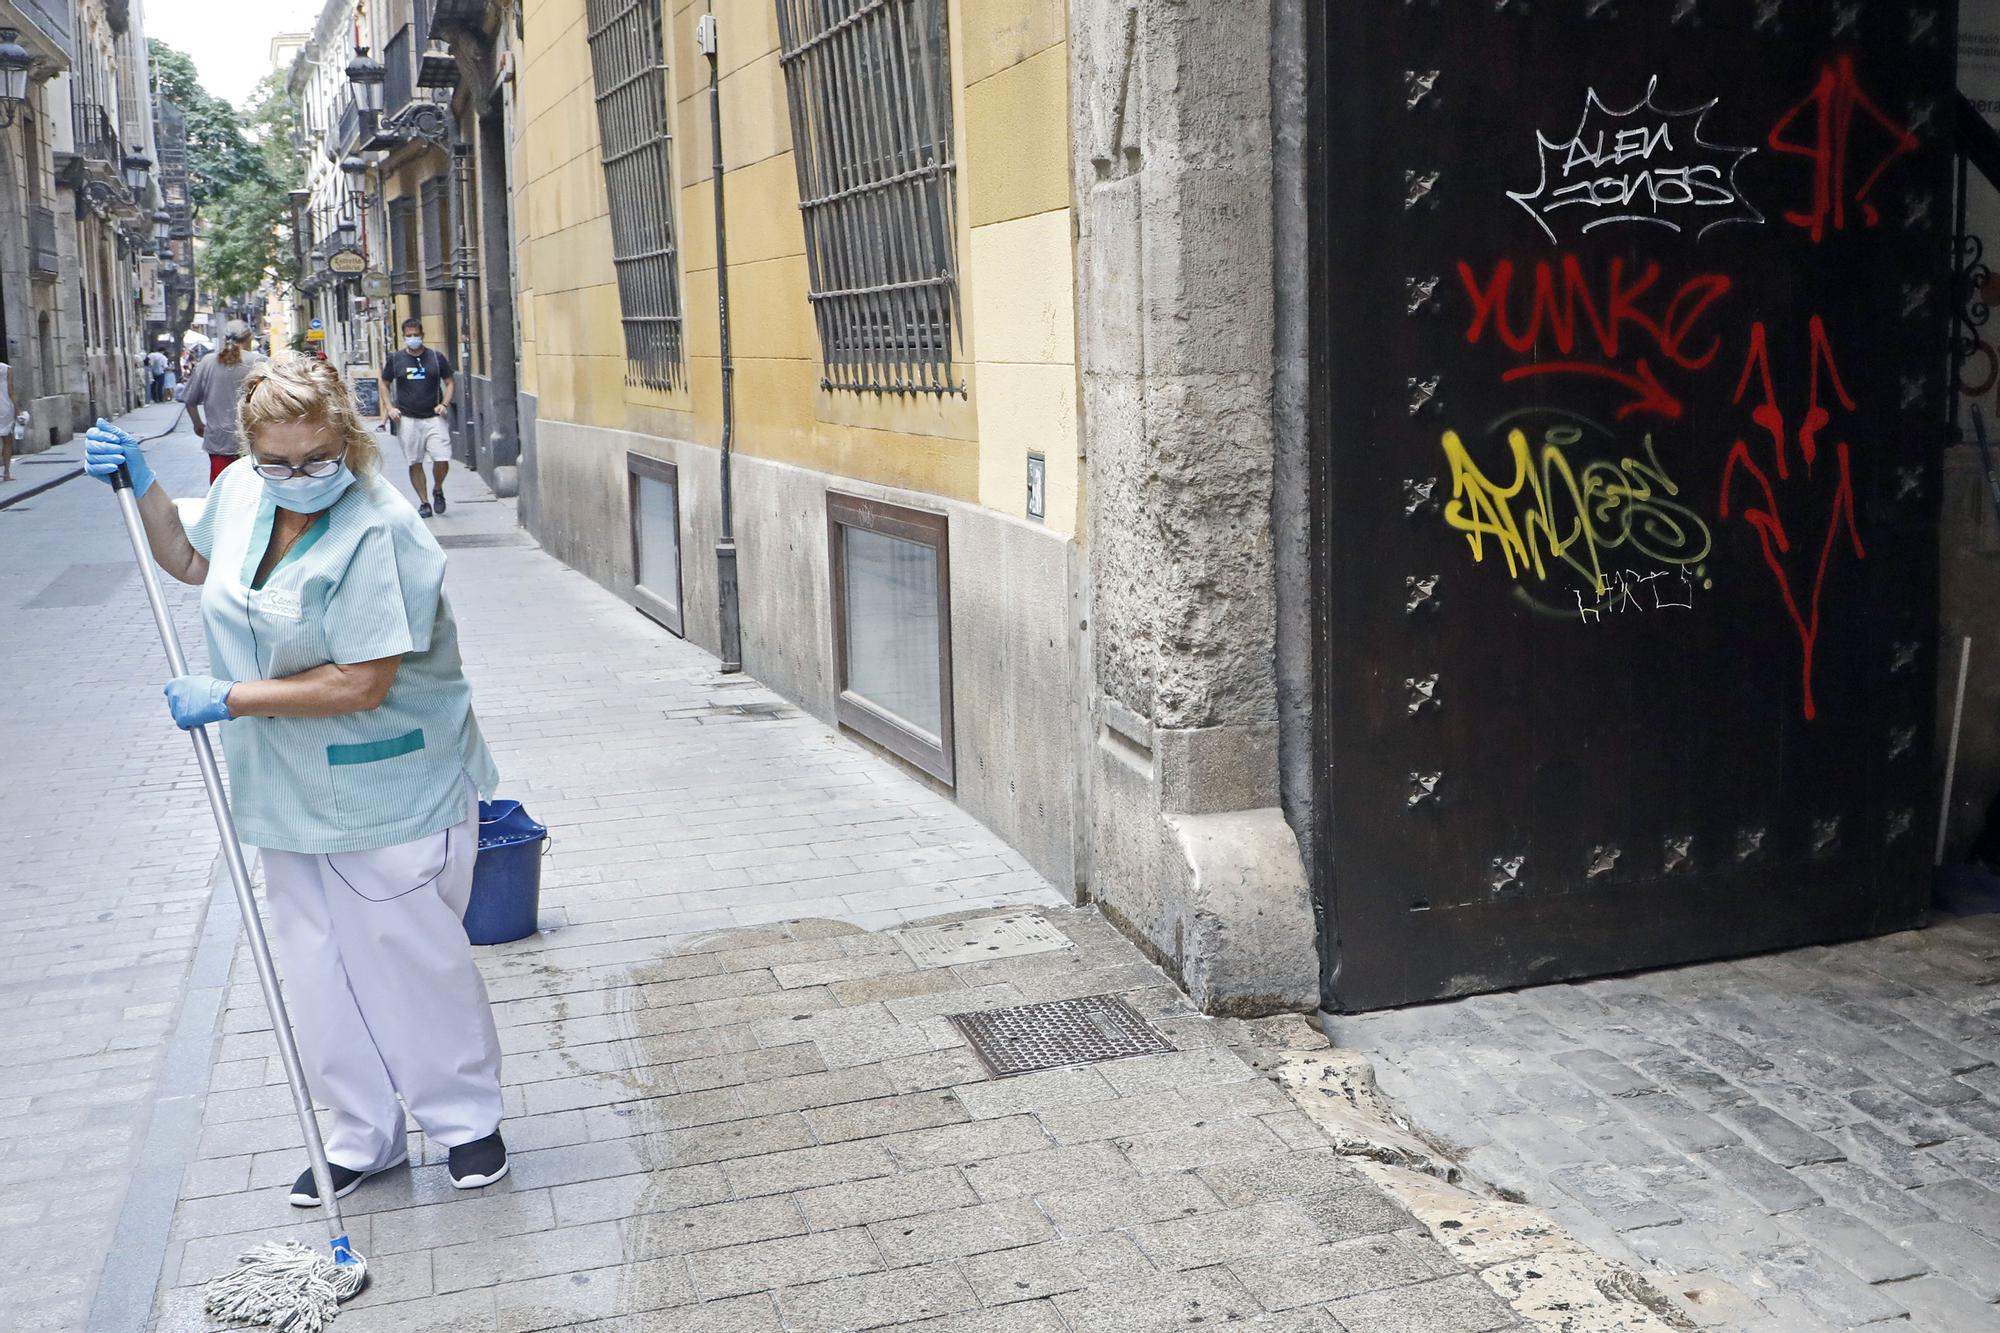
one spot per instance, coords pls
(355, 764)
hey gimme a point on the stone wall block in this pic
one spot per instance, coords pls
(1247, 936)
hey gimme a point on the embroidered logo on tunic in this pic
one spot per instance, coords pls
(280, 604)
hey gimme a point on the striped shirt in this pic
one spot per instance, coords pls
(364, 581)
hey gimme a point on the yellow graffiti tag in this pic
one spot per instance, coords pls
(1553, 511)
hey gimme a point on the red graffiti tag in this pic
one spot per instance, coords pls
(1831, 110)
(1568, 314)
(1764, 514)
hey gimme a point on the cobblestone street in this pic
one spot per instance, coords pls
(734, 1101)
(1796, 1142)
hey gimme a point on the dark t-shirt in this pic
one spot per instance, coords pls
(416, 383)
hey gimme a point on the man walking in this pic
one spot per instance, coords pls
(417, 386)
(156, 376)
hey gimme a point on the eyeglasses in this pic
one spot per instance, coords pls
(318, 469)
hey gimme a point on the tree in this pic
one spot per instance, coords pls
(239, 249)
(220, 155)
(240, 166)
(272, 117)
(242, 243)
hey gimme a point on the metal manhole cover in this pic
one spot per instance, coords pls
(956, 942)
(1058, 1034)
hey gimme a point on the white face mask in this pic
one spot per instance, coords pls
(309, 495)
(414, 342)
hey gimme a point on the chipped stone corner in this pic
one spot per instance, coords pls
(1546, 1275)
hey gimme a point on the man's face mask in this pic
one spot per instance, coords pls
(413, 341)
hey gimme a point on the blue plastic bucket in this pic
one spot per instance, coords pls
(506, 875)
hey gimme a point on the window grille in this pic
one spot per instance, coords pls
(870, 89)
(629, 71)
(436, 202)
(405, 269)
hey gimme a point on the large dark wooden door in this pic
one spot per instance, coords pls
(1630, 350)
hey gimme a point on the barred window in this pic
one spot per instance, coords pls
(870, 89)
(405, 268)
(629, 70)
(436, 203)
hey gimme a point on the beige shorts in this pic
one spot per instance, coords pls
(424, 439)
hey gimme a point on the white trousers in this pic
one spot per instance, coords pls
(383, 993)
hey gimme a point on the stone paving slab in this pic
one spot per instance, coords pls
(847, 1166)
(1795, 1142)
(735, 1101)
(106, 850)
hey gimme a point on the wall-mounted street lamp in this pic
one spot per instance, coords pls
(137, 168)
(15, 66)
(366, 74)
(163, 221)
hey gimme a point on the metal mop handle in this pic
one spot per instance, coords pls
(239, 875)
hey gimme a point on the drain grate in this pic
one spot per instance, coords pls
(1058, 1034)
(983, 938)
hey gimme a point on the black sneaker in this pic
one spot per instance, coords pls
(305, 1191)
(437, 499)
(480, 1162)
(423, 511)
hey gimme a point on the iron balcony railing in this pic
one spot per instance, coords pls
(345, 134)
(42, 242)
(96, 135)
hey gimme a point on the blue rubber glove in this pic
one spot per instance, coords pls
(106, 448)
(196, 701)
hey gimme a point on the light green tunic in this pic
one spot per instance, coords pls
(365, 581)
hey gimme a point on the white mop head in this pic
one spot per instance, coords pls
(286, 1285)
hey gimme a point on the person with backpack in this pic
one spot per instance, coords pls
(417, 387)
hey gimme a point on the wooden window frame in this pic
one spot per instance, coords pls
(934, 756)
(674, 617)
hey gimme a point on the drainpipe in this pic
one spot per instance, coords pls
(725, 550)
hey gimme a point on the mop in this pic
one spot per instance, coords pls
(280, 1283)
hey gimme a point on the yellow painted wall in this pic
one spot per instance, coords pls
(1015, 261)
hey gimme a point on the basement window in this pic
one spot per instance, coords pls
(891, 573)
(656, 539)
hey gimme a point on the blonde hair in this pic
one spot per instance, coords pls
(305, 390)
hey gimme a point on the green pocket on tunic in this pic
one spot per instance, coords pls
(369, 752)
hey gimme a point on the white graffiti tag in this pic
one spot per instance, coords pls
(1641, 165)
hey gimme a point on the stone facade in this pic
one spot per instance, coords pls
(1191, 851)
